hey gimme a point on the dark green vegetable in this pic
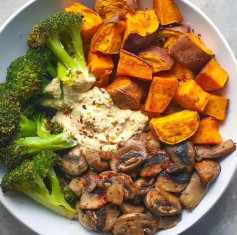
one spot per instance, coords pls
(29, 178)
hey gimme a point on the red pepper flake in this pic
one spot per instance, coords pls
(93, 102)
(67, 113)
(84, 133)
(84, 106)
(81, 120)
(107, 137)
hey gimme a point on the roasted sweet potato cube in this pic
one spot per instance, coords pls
(181, 72)
(208, 170)
(212, 76)
(101, 66)
(108, 9)
(161, 93)
(207, 132)
(190, 51)
(92, 20)
(167, 12)
(217, 107)
(140, 30)
(133, 66)
(166, 38)
(191, 96)
(158, 57)
(126, 93)
(177, 127)
(109, 38)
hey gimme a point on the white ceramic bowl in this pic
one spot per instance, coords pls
(13, 36)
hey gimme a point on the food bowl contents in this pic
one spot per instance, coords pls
(109, 118)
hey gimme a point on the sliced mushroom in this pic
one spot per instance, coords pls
(96, 161)
(155, 165)
(101, 220)
(115, 193)
(135, 223)
(162, 203)
(128, 158)
(174, 183)
(107, 178)
(182, 154)
(194, 192)
(208, 170)
(129, 208)
(74, 163)
(88, 182)
(94, 200)
(144, 185)
(172, 168)
(148, 140)
(166, 222)
(207, 152)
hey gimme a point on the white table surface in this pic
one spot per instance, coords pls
(222, 219)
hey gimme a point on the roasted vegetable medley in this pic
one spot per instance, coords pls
(156, 77)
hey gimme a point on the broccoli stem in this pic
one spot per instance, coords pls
(34, 145)
(54, 44)
(28, 127)
(78, 46)
(51, 70)
(54, 201)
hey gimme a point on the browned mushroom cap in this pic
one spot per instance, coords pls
(162, 203)
(155, 165)
(88, 182)
(135, 223)
(172, 168)
(174, 183)
(182, 154)
(128, 158)
(194, 192)
(96, 161)
(208, 170)
(207, 152)
(74, 163)
(115, 193)
(166, 222)
(107, 178)
(147, 140)
(144, 185)
(129, 208)
(94, 200)
(101, 220)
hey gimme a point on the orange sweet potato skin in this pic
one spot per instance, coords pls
(176, 127)
(140, 30)
(181, 72)
(212, 76)
(108, 39)
(133, 66)
(108, 9)
(189, 53)
(126, 93)
(217, 107)
(157, 57)
(207, 132)
(161, 93)
(167, 12)
(92, 20)
(191, 96)
(101, 66)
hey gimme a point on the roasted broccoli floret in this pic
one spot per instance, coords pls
(24, 148)
(62, 34)
(30, 177)
(12, 121)
(46, 59)
(24, 76)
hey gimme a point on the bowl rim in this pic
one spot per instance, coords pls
(232, 57)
